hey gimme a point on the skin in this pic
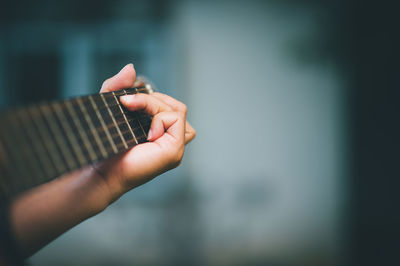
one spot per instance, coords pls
(45, 212)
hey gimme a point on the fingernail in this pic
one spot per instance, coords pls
(130, 64)
(125, 98)
(149, 135)
(125, 67)
(128, 98)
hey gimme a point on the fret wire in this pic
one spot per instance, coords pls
(139, 116)
(101, 129)
(83, 135)
(107, 132)
(58, 136)
(113, 119)
(39, 149)
(69, 133)
(35, 129)
(144, 133)
(15, 158)
(48, 144)
(129, 120)
(91, 126)
(112, 136)
(119, 123)
(123, 132)
(123, 114)
(131, 91)
(109, 106)
(15, 147)
(127, 93)
(108, 126)
(120, 146)
(24, 148)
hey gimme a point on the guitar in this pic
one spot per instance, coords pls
(41, 142)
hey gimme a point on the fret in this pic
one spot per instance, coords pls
(109, 122)
(133, 123)
(119, 93)
(115, 123)
(136, 129)
(58, 136)
(82, 133)
(86, 128)
(145, 121)
(55, 156)
(103, 124)
(123, 114)
(15, 158)
(98, 128)
(59, 111)
(40, 151)
(51, 139)
(7, 164)
(91, 126)
(24, 148)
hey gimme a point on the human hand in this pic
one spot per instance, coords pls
(168, 135)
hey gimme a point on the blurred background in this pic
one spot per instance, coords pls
(296, 108)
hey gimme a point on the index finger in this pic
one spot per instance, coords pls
(144, 102)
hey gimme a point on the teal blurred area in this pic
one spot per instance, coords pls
(272, 87)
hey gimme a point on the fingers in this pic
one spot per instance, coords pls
(169, 122)
(124, 79)
(176, 105)
(155, 104)
(144, 102)
(190, 133)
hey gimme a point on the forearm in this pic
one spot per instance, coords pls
(42, 214)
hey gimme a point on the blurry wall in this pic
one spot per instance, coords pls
(269, 162)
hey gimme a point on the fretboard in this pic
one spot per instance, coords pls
(41, 142)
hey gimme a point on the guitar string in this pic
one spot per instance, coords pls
(143, 120)
(137, 119)
(109, 105)
(139, 114)
(47, 178)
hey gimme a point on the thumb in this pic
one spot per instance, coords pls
(124, 79)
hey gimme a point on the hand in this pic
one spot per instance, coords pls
(168, 135)
(43, 213)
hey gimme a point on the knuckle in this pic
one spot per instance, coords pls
(184, 108)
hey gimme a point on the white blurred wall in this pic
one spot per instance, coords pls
(269, 158)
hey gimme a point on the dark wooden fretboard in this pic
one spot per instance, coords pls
(41, 142)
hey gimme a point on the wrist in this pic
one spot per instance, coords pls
(95, 189)
(89, 190)
(105, 188)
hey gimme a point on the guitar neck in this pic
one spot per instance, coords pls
(41, 142)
